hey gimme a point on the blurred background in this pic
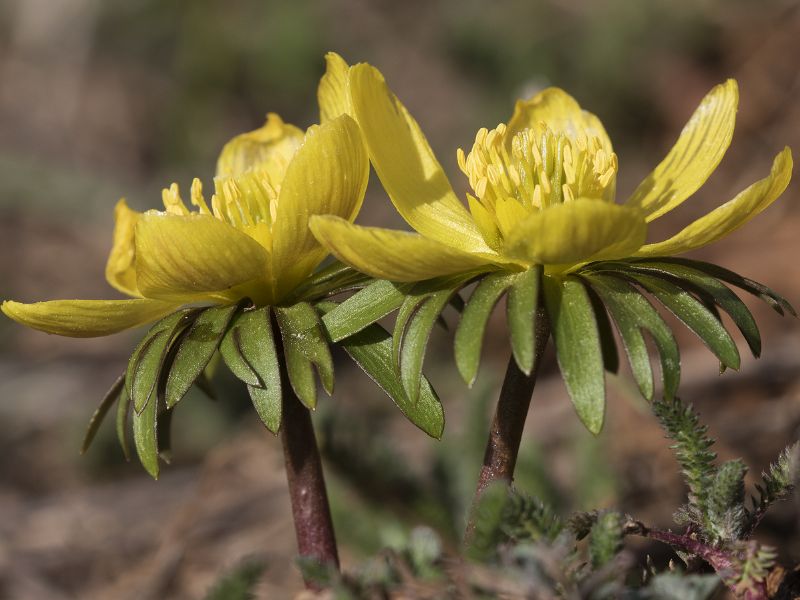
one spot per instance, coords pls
(103, 100)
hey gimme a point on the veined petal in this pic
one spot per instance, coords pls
(269, 148)
(333, 93)
(695, 155)
(328, 176)
(577, 231)
(87, 318)
(730, 216)
(392, 255)
(195, 257)
(406, 165)
(561, 113)
(121, 267)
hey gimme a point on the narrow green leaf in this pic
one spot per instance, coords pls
(101, 411)
(267, 402)
(371, 350)
(146, 361)
(196, 349)
(471, 328)
(334, 278)
(523, 303)
(164, 435)
(304, 344)
(231, 345)
(123, 408)
(631, 310)
(145, 425)
(608, 345)
(695, 316)
(577, 348)
(363, 308)
(415, 340)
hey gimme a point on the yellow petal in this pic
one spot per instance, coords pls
(270, 148)
(695, 155)
(333, 93)
(87, 318)
(561, 113)
(730, 216)
(392, 255)
(485, 221)
(195, 257)
(577, 231)
(328, 176)
(121, 268)
(407, 167)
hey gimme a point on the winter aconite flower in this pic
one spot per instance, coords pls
(545, 221)
(249, 240)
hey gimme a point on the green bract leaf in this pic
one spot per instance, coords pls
(147, 359)
(577, 347)
(267, 402)
(469, 335)
(371, 350)
(123, 408)
(695, 316)
(145, 424)
(523, 303)
(332, 279)
(304, 344)
(195, 350)
(164, 435)
(102, 410)
(608, 345)
(365, 307)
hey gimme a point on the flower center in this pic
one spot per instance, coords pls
(538, 167)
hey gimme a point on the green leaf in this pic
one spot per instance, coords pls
(608, 345)
(487, 518)
(123, 408)
(715, 292)
(632, 312)
(304, 344)
(196, 349)
(523, 303)
(471, 328)
(267, 402)
(577, 347)
(363, 308)
(144, 367)
(371, 350)
(415, 340)
(102, 410)
(145, 425)
(164, 435)
(334, 278)
(695, 316)
(605, 540)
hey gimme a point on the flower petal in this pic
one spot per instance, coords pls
(87, 318)
(195, 257)
(406, 165)
(328, 176)
(392, 255)
(730, 216)
(577, 231)
(121, 268)
(269, 148)
(333, 93)
(695, 155)
(561, 113)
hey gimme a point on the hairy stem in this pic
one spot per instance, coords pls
(505, 433)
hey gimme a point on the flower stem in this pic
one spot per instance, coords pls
(505, 434)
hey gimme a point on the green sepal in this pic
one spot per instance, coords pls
(123, 408)
(577, 342)
(304, 345)
(711, 291)
(267, 402)
(363, 308)
(415, 340)
(145, 437)
(144, 366)
(521, 310)
(632, 312)
(101, 411)
(371, 350)
(695, 316)
(472, 326)
(196, 349)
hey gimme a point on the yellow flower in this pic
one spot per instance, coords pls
(251, 240)
(544, 187)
